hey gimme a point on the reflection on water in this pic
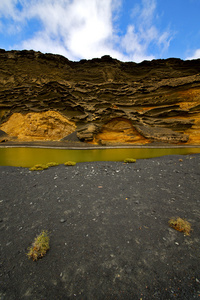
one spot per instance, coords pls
(27, 157)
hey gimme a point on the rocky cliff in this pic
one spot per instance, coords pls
(102, 101)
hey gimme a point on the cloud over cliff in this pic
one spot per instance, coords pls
(85, 29)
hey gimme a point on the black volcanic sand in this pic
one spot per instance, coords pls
(109, 233)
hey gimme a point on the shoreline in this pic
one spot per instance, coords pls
(84, 146)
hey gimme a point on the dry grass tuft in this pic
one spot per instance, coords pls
(70, 163)
(38, 167)
(52, 164)
(39, 247)
(130, 160)
(180, 225)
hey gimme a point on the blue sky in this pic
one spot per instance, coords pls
(129, 30)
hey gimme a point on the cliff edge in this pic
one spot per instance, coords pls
(99, 101)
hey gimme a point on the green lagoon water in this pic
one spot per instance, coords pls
(27, 157)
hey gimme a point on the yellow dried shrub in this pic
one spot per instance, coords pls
(130, 160)
(180, 225)
(38, 167)
(39, 247)
(52, 164)
(70, 163)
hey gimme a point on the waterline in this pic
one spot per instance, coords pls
(29, 156)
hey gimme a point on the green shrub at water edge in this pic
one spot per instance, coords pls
(38, 167)
(130, 160)
(70, 163)
(52, 164)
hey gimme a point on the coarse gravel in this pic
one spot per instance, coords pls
(108, 228)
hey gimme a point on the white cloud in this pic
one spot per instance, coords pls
(10, 9)
(12, 16)
(83, 29)
(87, 28)
(195, 55)
(144, 34)
(7, 7)
(44, 43)
(164, 40)
(147, 12)
(134, 47)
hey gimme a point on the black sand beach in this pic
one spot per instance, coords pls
(109, 233)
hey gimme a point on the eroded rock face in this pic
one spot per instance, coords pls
(119, 131)
(162, 134)
(48, 126)
(106, 100)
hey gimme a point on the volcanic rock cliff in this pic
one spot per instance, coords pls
(100, 101)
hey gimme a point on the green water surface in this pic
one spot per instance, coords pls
(27, 157)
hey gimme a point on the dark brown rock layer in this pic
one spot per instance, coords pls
(151, 101)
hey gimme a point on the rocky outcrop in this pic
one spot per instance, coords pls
(105, 100)
(3, 136)
(162, 134)
(48, 126)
